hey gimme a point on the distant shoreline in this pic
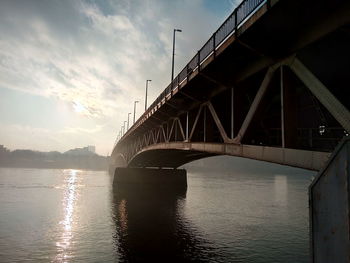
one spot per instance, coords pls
(79, 158)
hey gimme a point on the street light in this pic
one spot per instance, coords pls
(128, 119)
(172, 65)
(136, 101)
(149, 80)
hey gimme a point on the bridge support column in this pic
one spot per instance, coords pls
(160, 178)
(329, 196)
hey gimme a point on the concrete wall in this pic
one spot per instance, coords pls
(329, 209)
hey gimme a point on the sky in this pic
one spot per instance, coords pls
(70, 71)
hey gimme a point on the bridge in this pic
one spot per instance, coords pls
(270, 84)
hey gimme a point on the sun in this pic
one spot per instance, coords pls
(78, 107)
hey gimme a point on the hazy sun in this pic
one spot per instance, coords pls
(78, 107)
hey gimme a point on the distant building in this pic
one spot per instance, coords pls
(91, 148)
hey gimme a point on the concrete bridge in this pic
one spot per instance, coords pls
(270, 84)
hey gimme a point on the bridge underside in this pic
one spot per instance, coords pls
(167, 158)
(176, 154)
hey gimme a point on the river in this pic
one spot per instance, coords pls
(227, 214)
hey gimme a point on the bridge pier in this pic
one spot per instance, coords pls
(150, 177)
(329, 196)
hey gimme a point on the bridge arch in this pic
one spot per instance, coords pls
(118, 160)
(167, 157)
(175, 154)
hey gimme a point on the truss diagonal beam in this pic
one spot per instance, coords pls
(329, 101)
(164, 134)
(253, 108)
(218, 122)
(181, 129)
(195, 122)
(171, 130)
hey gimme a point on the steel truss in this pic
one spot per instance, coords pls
(179, 129)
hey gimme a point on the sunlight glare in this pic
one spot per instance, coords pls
(69, 199)
(78, 107)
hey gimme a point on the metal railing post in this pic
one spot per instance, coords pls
(187, 73)
(198, 61)
(214, 44)
(236, 13)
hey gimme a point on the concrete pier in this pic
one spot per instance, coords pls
(329, 196)
(160, 178)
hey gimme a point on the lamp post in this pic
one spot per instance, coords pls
(172, 63)
(136, 101)
(149, 80)
(128, 119)
(125, 127)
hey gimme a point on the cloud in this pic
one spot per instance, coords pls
(98, 54)
(80, 130)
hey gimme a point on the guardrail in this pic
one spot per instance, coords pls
(241, 13)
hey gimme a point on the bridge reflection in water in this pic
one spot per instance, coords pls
(223, 217)
(150, 226)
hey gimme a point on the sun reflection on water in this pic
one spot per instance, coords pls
(69, 198)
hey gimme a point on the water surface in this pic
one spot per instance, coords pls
(225, 215)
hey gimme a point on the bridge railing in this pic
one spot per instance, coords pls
(229, 26)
